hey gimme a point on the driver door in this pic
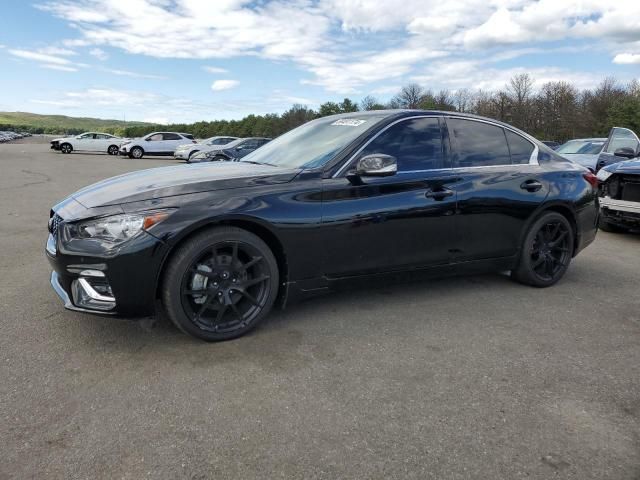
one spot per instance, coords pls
(406, 220)
(621, 145)
(154, 143)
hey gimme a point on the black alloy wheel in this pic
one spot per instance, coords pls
(546, 252)
(66, 148)
(113, 150)
(228, 281)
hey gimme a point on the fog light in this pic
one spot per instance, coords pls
(93, 293)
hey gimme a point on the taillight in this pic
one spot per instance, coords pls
(591, 178)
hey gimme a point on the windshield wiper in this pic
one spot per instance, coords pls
(258, 163)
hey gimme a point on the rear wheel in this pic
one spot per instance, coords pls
(66, 148)
(113, 150)
(220, 284)
(546, 252)
(136, 152)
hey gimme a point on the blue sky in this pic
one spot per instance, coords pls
(189, 60)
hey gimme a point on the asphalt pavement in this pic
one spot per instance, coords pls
(474, 377)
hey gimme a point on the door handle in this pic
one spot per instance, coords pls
(439, 194)
(531, 185)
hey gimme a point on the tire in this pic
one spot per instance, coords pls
(136, 152)
(611, 227)
(113, 150)
(220, 284)
(66, 148)
(546, 251)
(219, 158)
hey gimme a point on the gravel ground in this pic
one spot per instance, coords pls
(474, 377)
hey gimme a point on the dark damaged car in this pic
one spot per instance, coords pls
(359, 197)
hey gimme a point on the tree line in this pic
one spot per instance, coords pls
(556, 110)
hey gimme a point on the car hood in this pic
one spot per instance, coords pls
(179, 180)
(626, 166)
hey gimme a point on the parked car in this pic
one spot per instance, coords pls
(358, 196)
(88, 142)
(156, 143)
(622, 144)
(184, 152)
(584, 151)
(620, 196)
(233, 151)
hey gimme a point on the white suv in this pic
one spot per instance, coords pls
(156, 143)
(88, 142)
(184, 152)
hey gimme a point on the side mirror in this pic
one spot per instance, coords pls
(377, 165)
(625, 152)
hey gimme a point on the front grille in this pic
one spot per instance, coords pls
(631, 192)
(54, 223)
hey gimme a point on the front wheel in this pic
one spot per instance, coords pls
(546, 252)
(113, 150)
(66, 148)
(136, 152)
(220, 284)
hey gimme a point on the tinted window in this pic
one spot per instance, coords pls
(478, 144)
(416, 144)
(218, 141)
(156, 138)
(171, 136)
(249, 144)
(187, 135)
(520, 148)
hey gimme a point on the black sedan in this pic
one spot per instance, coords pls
(352, 197)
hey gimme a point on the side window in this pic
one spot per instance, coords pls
(156, 138)
(520, 148)
(86, 136)
(478, 144)
(219, 141)
(621, 138)
(415, 143)
(249, 144)
(171, 136)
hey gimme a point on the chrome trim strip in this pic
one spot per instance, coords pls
(86, 286)
(620, 205)
(533, 160)
(92, 273)
(68, 304)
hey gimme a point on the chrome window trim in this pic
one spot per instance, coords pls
(533, 160)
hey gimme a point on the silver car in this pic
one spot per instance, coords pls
(184, 152)
(584, 151)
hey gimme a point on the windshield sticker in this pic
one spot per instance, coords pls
(349, 122)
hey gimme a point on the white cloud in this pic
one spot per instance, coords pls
(99, 53)
(62, 68)
(627, 58)
(127, 73)
(214, 70)
(345, 46)
(40, 57)
(219, 85)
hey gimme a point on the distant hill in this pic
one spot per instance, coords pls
(36, 123)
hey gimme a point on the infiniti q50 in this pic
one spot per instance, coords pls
(358, 196)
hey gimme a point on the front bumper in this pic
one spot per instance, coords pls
(181, 154)
(115, 283)
(621, 212)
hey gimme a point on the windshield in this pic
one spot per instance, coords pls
(315, 143)
(581, 146)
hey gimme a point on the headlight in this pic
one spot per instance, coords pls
(114, 229)
(603, 175)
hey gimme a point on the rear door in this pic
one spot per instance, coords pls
(390, 223)
(619, 138)
(171, 142)
(499, 185)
